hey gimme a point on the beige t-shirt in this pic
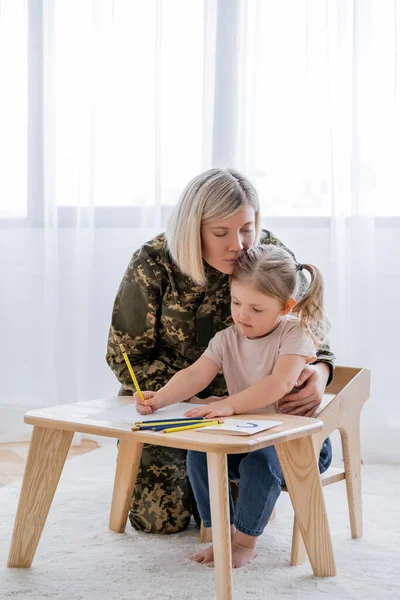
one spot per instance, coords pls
(244, 362)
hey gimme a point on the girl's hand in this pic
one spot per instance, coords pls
(152, 402)
(196, 400)
(215, 409)
(306, 400)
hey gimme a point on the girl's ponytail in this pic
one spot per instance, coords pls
(309, 308)
(274, 272)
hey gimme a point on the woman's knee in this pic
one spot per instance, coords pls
(162, 499)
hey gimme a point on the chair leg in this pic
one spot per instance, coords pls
(352, 467)
(300, 471)
(298, 555)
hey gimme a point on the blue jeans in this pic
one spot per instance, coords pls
(261, 479)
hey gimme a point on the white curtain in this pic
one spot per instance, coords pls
(109, 107)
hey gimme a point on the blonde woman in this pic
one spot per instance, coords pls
(276, 331)
(173, 298)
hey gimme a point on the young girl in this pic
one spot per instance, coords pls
(276, 332)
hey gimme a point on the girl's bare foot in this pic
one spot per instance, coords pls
(207, 556)
(243, 549)
(241, 555)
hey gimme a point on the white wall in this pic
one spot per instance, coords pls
(26, 368)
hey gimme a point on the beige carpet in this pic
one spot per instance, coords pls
(13, 458)
(79, 558)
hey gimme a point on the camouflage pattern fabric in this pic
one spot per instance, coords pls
(162, 501)
(165, 321)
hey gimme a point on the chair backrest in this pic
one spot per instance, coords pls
(343, 401)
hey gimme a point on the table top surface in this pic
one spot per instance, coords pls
(76, 417)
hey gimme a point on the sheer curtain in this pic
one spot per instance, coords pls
(320, 138)
(108, 112)
(111, 106)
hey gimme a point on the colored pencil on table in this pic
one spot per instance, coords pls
(187, 427)
(161, 426)
(159, 421)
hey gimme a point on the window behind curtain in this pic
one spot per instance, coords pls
(13, 109)
(129, 80)
(130, 103)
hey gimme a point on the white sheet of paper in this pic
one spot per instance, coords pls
(129, 414)
(240, 426)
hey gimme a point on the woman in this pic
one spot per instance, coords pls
(172, 300)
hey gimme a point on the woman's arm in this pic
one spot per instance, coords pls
(134, 324)
(265, 392)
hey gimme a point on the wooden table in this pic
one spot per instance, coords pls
(52, 435)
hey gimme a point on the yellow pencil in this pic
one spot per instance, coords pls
(185, 427)
(128, 364)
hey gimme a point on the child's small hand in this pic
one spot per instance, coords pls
(215, 409)
(151, 403)
(196, 400)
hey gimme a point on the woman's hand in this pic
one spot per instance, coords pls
(152, 402)
(306, 400)
(214, 409)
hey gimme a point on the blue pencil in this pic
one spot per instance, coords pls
(162, 427)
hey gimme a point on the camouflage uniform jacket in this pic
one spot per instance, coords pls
(165, 322)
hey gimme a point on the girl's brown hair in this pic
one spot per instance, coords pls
(273, 271)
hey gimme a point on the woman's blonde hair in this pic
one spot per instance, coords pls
(274, 272)
(211, 196)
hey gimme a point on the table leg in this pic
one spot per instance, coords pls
(219, 501)
(47, 453)
(128, 461)
(302, 478)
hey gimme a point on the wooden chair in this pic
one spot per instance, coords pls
(340, 409)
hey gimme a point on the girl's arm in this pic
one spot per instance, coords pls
(268, 390)
(183, 385)
(271, 388)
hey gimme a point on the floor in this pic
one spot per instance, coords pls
(13, 458)
(79, 558)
